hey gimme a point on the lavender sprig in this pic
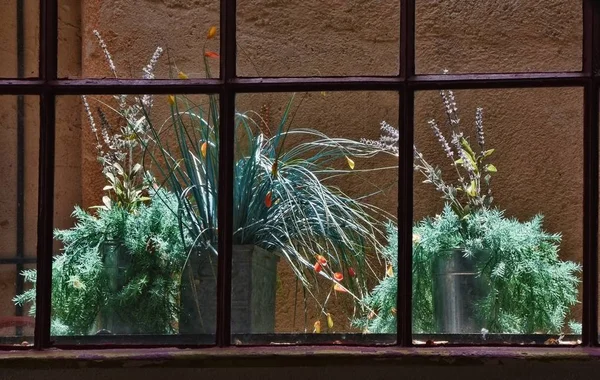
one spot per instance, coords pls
(441, 139)
(479, 128)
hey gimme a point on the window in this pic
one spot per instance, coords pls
(218, 222)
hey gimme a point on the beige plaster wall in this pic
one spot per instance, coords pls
(68, 139)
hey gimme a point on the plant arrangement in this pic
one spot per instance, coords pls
(530, 289)
(283, 198)
(147, 300)
(283, 203)
(120, 268)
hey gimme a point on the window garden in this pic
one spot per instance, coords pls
(413, 173)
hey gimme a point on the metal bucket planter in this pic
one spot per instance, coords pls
(116, 260)
(457, 287)
(253, 282)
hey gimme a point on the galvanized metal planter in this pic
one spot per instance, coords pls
(457, 287)
(254, 277)
(116, 260)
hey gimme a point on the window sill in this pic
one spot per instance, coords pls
(292, 356)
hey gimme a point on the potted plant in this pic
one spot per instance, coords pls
(282, 208)
(120, 268)
(509, 279)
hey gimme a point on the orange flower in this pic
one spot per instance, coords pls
(339, 288)
(318, 267)
(322, 260)
(317, 326)
(351, 272)
(338, 276)
(269, 199)
(171, 100)
(211, 54)
(203, 149)
(212, 32)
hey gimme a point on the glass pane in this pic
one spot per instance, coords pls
(175, 32)
(19, 39)
(318, 38)
(69, 38)
(128, 252)
(312, 203)
(19, 133)
(498, 200)
(498, 36)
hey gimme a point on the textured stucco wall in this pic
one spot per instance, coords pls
(68, 141)
(8, 152)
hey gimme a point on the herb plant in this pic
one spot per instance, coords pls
(531, 289)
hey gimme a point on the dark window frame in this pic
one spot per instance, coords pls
(48, 86)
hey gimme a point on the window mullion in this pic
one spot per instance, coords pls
(48, 72)
(225, 191)
(405, 193)
(591, 27)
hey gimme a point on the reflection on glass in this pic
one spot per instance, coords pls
(135, 30)
(312, 200)
(136, 235)
(19, 39)
(316, 38)
(489, 36)
(496, 239)
(19, 133)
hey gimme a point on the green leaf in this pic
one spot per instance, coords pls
(472, 189)
(459, 161)
(471, 160)
(491, 168)
(465, 144)
(488, 152)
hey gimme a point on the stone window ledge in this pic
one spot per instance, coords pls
(292, 356)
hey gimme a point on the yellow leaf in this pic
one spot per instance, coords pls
(329, 321)
(323, 93)
(274, 170)
(350, 162)
(317, 326)
(390, 270)
(182, 75)
(472, 189)
(171, 99)
(212, 32)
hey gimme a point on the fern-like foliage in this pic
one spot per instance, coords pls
(532, 290)
(381, 302)
(148, 302)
